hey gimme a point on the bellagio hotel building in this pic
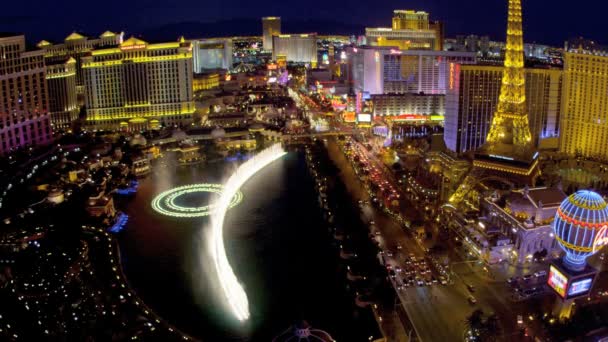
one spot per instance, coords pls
(24, 117)
(138, 85)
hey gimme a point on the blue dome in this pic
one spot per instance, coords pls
(580, 226)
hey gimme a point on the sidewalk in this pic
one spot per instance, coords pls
(390, 325)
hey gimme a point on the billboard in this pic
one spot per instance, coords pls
(557, 281)
(580, 287)
(570, 285)
(364, 118)
(349, 117)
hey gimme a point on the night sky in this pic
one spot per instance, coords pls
(545, 21)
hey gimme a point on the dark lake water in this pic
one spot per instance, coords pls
(276, 240)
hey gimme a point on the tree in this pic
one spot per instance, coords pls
(475, 320)
(491, 328)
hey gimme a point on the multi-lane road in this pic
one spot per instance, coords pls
(437, 312)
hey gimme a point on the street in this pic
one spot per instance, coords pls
(437, 312)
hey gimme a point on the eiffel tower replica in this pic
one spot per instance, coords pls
(508, 153)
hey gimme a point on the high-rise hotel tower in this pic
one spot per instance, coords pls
(584, 129)
(24, 118)
(138, 85)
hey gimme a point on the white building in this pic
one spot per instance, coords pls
(387, 70)
(297, 48)
(211, 54)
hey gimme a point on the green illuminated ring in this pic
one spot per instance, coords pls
(165, 204)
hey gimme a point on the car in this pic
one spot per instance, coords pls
(377, 233)
(511, 280)
(540, 274)
(520, 320)
(527, 277)
(372, 222)
(399, 247)
(471, 287)
(389, 253)
(398, 269)
(472, 300)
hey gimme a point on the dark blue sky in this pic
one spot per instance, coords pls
(545, 21)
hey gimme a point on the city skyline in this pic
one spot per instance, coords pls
(356, 172)
(460, 18)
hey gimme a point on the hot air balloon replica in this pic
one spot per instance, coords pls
(581, 230)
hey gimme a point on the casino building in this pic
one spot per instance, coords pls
(139, 85)
(24, 115)
(513, 226)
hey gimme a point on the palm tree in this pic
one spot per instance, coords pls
(490, 328)
(474, 322)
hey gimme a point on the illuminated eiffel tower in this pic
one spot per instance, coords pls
(508, 153)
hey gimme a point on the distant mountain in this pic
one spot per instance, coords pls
(245, 27)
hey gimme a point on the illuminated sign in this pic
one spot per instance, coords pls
(272, 80)
(272, 66)
(359, 102)
(377, 56)
(580, 287)
(133, 47)
(410, 117)
(601, 239)
(396, 52)
(451, 75)
(557, 281)
(437, 118)
(500, 157)
(364, 118)
(349, 117)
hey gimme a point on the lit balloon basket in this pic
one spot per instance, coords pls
(581, 230)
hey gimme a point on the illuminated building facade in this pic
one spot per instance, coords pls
(473, 96)
(585, 111)
(24, 117)
(137, 85)
(297, 48)
(63, 101)
(205, 81)
(271, 26)
(411, 30)
(209, 54)
(409, 104)
(77, 46)
(524, 217)
(386, 70)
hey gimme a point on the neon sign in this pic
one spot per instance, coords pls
(451, 76)
(601, 239)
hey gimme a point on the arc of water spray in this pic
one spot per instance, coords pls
(232, 288)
